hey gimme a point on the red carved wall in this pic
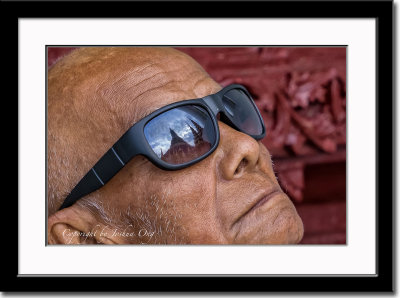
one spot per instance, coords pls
(301, 94)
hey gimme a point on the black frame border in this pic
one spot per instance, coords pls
(382, 11)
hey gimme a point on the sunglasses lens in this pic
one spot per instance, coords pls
(241, 111)
(181, 134)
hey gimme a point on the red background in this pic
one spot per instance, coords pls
(301, 94)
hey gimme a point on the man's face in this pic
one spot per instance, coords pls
(232, 196)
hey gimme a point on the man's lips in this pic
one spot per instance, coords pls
(264, 199)
(261, 200)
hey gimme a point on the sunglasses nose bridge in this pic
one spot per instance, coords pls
(212, 102)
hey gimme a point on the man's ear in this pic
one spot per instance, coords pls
(75, 225)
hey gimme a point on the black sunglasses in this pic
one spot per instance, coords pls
(176, 136)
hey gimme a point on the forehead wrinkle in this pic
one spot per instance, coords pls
(172, 90)
(157, 106)
(149, 107)
(135, 83)
(114, 83)
(160, 70)
(166, 76)
(191, 80)
(116, 93)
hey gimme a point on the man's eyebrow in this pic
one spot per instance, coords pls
(147, 112)
(144, 113)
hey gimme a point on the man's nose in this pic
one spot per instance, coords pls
(241, 152)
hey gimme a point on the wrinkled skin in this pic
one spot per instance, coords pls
(94, 96)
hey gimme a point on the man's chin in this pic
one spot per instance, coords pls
(274, 222)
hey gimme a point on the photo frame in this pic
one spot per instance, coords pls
(14, 277)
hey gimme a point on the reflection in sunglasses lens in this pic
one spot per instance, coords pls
(242, 112)
(181, 134)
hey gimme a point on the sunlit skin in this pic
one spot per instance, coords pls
(94, 96)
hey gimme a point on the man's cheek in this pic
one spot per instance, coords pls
(194, 201)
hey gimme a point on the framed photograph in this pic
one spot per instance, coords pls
(211, 149)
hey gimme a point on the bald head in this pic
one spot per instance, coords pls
(96, 94)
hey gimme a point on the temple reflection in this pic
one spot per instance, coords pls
(180, 151)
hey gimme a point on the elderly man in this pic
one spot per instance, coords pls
(145, 147)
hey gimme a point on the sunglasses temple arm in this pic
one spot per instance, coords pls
(100, 174)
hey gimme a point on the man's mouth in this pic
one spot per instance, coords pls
(264, 199)
(260, 201)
